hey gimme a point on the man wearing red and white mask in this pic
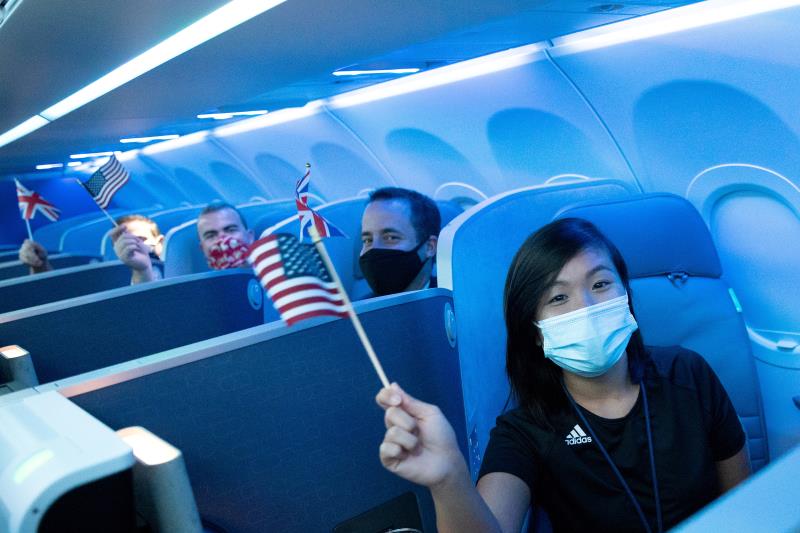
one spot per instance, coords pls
(224, 237)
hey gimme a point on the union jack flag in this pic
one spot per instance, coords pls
(308, 216)
(295, 278)
(105, 183)
(32, 202)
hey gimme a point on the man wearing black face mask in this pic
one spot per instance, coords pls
(399, 232)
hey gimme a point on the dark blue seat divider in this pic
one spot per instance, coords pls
(74, 336)
(28, 291)
(278, 426)
(14, 269)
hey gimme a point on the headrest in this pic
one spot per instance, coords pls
(656, 234)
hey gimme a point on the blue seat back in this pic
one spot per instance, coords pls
(182, 254)
(28, 291)
(475, 251)
(278, 426)
(49, 235)
(679, 296)
(16, 269)
(90, 332)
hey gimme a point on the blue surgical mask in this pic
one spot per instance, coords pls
(589, 341)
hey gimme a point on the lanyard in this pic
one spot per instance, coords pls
(614, 467)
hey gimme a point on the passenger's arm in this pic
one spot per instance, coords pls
(733, 470)
(134, 253)
(34, 255)
(420, 446)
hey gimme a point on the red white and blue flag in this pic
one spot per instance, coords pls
(105, 183)
(31, 203)
(295, 278)
(308, 216)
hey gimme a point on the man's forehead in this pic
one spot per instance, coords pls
(218, 219)
(140, 228)
(383, 214)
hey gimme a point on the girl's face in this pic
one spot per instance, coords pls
(587, 279)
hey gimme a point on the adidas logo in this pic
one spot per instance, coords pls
(577, 436)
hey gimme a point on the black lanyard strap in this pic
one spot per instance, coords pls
(614, 466)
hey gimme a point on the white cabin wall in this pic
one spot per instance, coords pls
(499, 131)
(681, 103)
(340, 165)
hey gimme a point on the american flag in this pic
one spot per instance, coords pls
(107, 181)
(308, 216)
(295, 278)
(31, 202)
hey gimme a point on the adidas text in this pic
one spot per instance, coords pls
(577, 440)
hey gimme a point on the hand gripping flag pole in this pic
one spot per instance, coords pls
(362, 335)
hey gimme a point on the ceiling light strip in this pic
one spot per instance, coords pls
(376, 71)
(666, 22)
(21, 130)
(223, 19)
(148, 139)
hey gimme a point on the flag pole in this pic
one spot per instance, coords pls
(318, 244)
(98, 205)
(28, 225)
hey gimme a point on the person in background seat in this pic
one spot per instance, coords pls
(136, 239)
(607, 435)
(139, 244)
(224, 236)
(399, 233)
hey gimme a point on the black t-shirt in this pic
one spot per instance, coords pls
(693, 425)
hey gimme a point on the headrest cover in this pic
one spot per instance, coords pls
(656, 234)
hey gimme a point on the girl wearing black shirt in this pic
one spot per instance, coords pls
(609, 435)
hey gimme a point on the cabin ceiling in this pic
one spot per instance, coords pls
(282, 58)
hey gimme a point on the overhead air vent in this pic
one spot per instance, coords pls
(606, 8)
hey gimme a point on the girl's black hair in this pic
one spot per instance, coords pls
(535, 380)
